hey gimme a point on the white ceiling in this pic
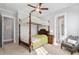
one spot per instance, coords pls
(26, 9)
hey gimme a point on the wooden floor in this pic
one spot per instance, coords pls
(13, 49)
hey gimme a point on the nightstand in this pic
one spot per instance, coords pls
(50, 39)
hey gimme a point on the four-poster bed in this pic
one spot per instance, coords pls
(43, 33)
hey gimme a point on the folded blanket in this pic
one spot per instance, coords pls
(35, 40)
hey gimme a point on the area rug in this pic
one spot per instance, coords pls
(56, 50)
(41, 51)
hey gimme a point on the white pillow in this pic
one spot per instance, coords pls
(72, 41)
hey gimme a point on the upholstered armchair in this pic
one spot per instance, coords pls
(71, 43)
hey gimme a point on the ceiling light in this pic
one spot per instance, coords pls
(37, 9)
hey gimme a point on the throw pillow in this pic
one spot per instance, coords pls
(72, 41)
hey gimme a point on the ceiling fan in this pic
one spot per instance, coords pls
(38, 8)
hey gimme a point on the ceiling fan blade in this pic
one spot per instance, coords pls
(31, 6)
(40, 12)
(44, 8)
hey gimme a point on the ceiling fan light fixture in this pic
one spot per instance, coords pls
(37, 9)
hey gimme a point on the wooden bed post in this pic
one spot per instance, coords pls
(30, 31)
(19, 32)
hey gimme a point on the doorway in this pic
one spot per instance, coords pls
(60, 28)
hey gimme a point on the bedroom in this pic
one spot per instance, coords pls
(16, 11)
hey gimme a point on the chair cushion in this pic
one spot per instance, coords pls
(68, 45)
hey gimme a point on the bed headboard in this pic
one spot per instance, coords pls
(43, 31)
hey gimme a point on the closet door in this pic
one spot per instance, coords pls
(8, 29)
(0, 31)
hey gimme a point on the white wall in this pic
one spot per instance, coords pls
(25, 31)
(72, 19)
(7, 12)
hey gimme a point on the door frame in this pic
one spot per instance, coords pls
(65, 25)
(3, 27)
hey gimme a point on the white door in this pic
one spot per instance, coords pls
(60, 28)
(8, 29)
